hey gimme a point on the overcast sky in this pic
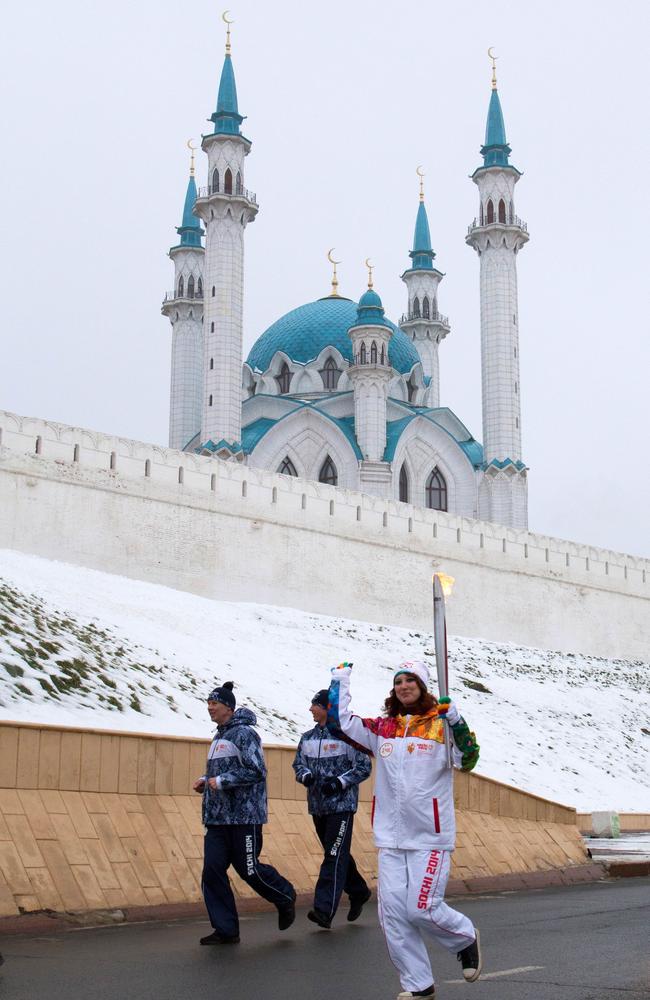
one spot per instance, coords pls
(343, 101)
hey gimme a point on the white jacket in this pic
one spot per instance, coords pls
(413, 805)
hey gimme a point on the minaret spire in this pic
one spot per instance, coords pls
(498, 235)
(423, 323)
(226, 208)
(184, 308)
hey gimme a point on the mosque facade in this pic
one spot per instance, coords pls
(334, 391)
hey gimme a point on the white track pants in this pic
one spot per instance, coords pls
(411, 908)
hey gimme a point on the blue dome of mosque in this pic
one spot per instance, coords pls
(303, 333)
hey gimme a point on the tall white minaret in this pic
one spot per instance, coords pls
(497, 234)
(184, 307)
(226, 208)
(370, 373)
(423, 323)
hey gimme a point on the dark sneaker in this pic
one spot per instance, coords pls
(429, 992)
(357, 903)
(320, 918)
(286, 915)
(470, 959)
(216, 938)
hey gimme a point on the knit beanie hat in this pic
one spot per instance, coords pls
(224, 695)
(321, 698)
(415, 667)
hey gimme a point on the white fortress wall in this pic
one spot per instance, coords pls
(227, 531)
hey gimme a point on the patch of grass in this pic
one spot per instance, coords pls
(14, 670)
(107, 681)
(50, 647)
(45, 684)
(112, 700)
(25, 690)
(475, 686)
(134, 702)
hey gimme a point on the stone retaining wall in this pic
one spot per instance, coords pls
(92, 820)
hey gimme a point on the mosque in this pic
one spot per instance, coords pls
(334, 391)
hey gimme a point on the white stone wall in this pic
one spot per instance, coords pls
(236, 533)
(425, 333)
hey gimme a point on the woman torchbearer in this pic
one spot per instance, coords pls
(413, 819)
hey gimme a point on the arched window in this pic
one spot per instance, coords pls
(404, 484)
(215, 181)
(373, 353)
(200, 287)
(210, 401)
(436, 491)
(328, 473)
(238, 187)
(284, 378)
(512, 212)
(416, 306)
(211, 363)
(425, 307)
(190, 287)
(490, 212)
(363, 357)
(502, 211)
(181, 287)
(482, 214)
(287, 468)
(411, 388)
(383, 356)
(227, 181)
(330, 375)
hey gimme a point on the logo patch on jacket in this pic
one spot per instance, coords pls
(386, 749)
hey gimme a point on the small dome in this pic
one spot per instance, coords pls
(370, 300)
(303, 333)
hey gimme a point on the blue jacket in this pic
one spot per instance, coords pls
(236, 760)
(324, 755)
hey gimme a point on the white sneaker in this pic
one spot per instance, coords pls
(429, 992)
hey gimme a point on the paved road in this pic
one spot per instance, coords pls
(577, 943)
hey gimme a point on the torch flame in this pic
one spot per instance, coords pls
(446, 582)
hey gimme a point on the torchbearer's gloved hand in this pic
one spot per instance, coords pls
(333, 786)
(342, 670)
(447, 710)
(307, 779)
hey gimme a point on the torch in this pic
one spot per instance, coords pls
(442, 587)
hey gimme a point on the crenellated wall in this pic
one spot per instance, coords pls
(226, 531)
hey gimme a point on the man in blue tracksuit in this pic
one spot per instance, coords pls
(332, 770)
(234, 809)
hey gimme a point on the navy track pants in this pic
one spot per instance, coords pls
(338, 872)
(237, 845)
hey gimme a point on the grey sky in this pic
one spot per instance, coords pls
(343, 101)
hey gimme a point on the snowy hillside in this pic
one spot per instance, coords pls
(78, 647)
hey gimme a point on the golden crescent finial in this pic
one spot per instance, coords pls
(421, 175)
(370, 270)
(335, 281)
(494, 67)
(227, 23)
(191, 149)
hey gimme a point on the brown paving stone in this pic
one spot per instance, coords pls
(71, 844)
(139, 862)
(108, 837)
(27, 764)
(23, 838)
(101, 865)
(118, 814)
(62, 875)
(70, 766)
(90, 762)
(93, 802)
(168, 803)
(109, 762)
(147, 837)
(8, 907)
(180, 769)
(13, 869)
(182, 835)
(10, 802)
(116, 898)
(168, 881)
(8, 756)
(27, 904)
(78, 813)
(45, 889)
(155, 896)
(49, 756)
(132, 804)
(53, 800)
(4, 829)
(89, 886)
(128, 765)
(130, 884)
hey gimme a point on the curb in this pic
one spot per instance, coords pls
(628, 869)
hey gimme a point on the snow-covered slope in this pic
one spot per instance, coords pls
(79, 647)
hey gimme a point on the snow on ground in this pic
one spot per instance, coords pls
(84, 648)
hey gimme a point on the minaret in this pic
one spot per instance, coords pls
(226, 208)
(370, 373)
(498, 235)
(184, 307)
(423, 323)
